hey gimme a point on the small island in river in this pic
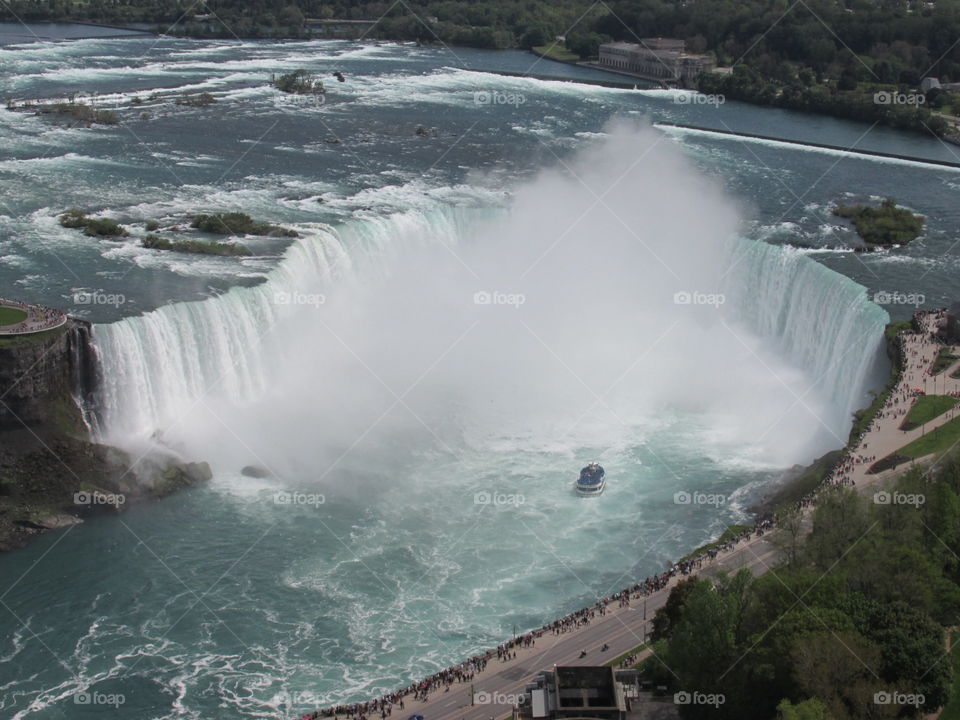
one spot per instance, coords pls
(884, 226)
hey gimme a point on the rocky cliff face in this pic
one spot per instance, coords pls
(43, 377)
(52, 474)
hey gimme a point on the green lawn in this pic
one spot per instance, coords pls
(926, 409)
(556, 52)
(945, 359)
(11, 316)
(935, 441)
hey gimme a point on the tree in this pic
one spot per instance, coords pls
(811, 709)
(668, 617)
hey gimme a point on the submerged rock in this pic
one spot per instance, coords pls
(256, 471)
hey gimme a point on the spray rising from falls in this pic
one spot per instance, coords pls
(610, 298)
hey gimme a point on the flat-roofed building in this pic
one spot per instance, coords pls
(587, 693)
(661, 59)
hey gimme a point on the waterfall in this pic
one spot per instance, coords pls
(823, 321)
(159, 366)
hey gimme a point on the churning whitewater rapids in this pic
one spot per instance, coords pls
(466, 318)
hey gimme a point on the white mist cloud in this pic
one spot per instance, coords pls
(591, 314)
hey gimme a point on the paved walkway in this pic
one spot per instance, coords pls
(884, 435)
(39, 318)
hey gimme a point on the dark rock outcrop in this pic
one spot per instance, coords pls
(40, 375)
(52, 475)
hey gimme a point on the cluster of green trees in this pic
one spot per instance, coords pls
(93, 227)
(849, 625)
(882, 226)
(826, 56)
(863, 101)
(299, 82)
(197, 247)
(237, 223)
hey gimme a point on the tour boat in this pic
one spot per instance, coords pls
(592, 480)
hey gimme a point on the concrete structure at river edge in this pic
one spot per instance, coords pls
(595, 692)
(663, 60)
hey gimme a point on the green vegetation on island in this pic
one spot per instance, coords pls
(237, 223)
(298, 82)
(198, 247)
(857, 613)
(74, 111)
(883, 226)
(94, 227)
(198, 100)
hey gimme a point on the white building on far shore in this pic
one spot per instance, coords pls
(662, 60)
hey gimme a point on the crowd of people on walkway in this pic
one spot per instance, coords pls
(39, 318)
(465, 672)
(925, 330)
(915, 348)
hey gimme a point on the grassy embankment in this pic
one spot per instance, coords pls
(555, 52)
(937, 440)
(945, 359)
(863, 418)
(729, 534)
(18, 341)
(926, 408)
